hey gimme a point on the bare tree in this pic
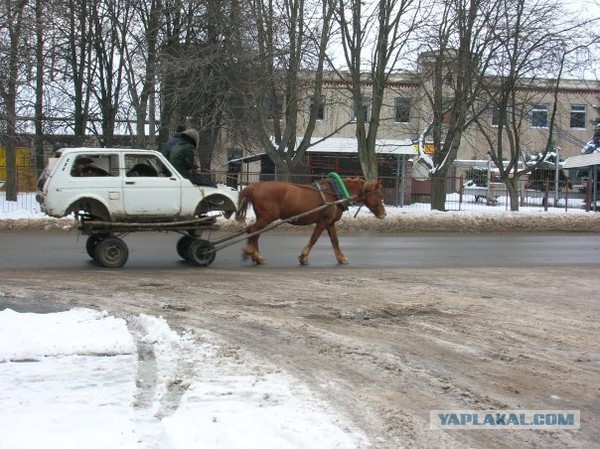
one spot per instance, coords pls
(171, 62)
(111, 20)
(70, 65)
(193, 86)
(533, 44)
(141, 57)
(14, 14)
(461, 46)
(289, 60)
(39, 85)
(536, 43)
(389, 24)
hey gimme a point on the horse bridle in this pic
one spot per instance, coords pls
(364, 193)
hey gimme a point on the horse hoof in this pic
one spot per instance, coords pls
(247, 254)
(343, 261)
(260, 260)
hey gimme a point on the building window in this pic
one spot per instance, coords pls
(366, 104)
(495, 116)
(320, 109)
(539, 116)
(402, 110)
(578, 116)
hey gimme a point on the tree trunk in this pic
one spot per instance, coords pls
(512, 185)
(206, 147)
(368, 163)
(438, 192)
(15, 28)
(11, 169)
(39, 87)
(282, 173)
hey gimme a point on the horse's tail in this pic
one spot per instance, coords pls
(244, 200)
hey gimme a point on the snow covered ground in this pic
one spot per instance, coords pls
(83, 379)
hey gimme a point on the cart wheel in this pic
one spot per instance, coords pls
(90, 245)
(183, 245)
(111, 252)
(201, 252)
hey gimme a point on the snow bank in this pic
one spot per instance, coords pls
(84, 379)
(412, 218)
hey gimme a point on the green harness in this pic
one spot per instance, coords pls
(339, 187)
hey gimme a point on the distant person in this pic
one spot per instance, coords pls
(173, 141)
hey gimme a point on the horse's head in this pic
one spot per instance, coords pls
(371, 194)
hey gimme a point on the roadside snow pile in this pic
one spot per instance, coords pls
(84, 379)
(400, 220)
(473, 222)
(397, 221)
(412, 218)
(38, 336)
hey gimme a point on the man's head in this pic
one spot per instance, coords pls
(192, 134)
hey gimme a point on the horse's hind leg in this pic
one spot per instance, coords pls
(303, 257)
(339, 255)
(251, 249)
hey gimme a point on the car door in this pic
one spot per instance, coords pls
(149, 187)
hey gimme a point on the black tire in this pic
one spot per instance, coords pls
(201, 252)
(91, 243)
(111, 252)
(183, 245)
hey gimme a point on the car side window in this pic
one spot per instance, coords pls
(95, 165)
(145, 166)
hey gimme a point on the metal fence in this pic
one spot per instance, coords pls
(24, 207)
(398, 191)
(416, 194)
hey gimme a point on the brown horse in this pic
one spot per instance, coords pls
(281, 200)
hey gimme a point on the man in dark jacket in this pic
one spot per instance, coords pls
(173, 141)
(183, 153)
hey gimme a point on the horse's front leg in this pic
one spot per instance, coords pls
(339, 255)
(303, 257)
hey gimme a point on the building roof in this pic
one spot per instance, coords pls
(345, 145)
(349, 145)
(582, 160)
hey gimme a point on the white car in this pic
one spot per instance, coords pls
(126, 185)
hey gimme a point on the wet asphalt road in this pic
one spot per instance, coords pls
(35, 250)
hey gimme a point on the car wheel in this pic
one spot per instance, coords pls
(111, 252)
